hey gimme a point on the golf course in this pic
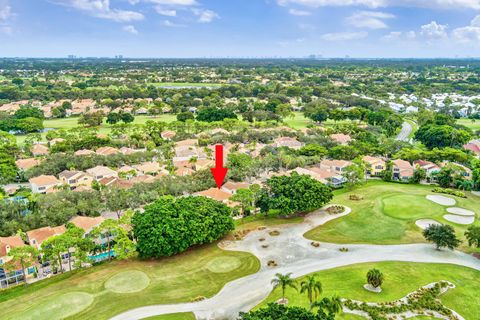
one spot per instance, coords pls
(386, 214)
(103, 291)
(401, 278)
(379, 215)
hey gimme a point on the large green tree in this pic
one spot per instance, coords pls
(170, 226)
(293, 194)
(443, 236)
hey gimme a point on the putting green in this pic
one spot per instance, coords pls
(223, 264)
(128, 282)
(58, 307)
(408, 207)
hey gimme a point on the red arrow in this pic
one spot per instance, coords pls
(219, 172)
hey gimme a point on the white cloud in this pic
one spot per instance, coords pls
(476, 22)
(344, 36)
(369, 19)
(296, 12)
(399, 36)
(434, 30)
(205, 15)
(170, 24)
(175, 3)
(436, 4)
(101, 9)
(130, 29)
(468, 34)
(5, 16)
(166, 12)
(5, 11)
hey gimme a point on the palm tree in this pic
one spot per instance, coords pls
(375, 278)
(330, 306)
(312, 287)
(284, 280)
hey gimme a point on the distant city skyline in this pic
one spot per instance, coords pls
(240, 28)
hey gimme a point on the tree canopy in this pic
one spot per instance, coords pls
(170, 226)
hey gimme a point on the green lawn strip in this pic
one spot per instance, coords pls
(387, 215)
(401, 278)
(474, 125)
(175, 316)
(181, 278)
(72, 122)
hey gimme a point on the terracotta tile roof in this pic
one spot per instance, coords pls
(234, 186)
(83, 152)
(373, 160)
(44, 180)
(8, 243)
(187, 143)
(106, 151)
(335, 163)
(87, 223)
(148, 167)
(341, 138)
(215, 194)
(42, 234)
(26, 164)
(143, 179)
(168, 134)
(402, 164)
(39, 149)
(101, 170)
(107, 181)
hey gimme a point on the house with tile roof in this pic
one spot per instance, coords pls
(287, 142)
(75, 178)
(39, 150)
(106, 151)
(402, 170)
(43, 183)
(375, 166)
(101, 172)
(336, 166)
(37, 236)
(25, 164)
(84, 152)
(341, 138)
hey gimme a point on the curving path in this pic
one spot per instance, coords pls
(293, 253)
(405, 132)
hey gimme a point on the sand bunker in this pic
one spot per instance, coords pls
(424, 223)
(461, 212)
(459, 219)
(442, 200)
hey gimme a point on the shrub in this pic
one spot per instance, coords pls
(449, 191)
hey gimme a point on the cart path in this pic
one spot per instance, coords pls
(293, 253)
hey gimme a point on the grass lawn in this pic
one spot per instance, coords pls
(106, 290)
(401, 278)
(72, 122)
(387, 214)
(299, 121)
(468, 123)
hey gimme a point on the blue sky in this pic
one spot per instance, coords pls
(240, 28)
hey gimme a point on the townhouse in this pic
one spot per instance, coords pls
(101, 172)
(402, 170)
(375, 166)
(75, 179)
(37, 236)
(44, 184)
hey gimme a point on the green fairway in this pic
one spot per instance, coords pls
(181, 278)
(387, 214)
(474, 125)
(72, 122)
(129, 281)
(298, 121)
(401, 278)
(61, 307)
